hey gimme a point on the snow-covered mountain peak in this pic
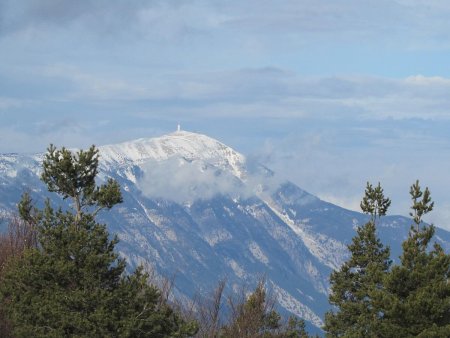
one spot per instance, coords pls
(187, 145)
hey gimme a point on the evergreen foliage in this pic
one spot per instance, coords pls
(355, 287)
(73, 176)
(296, 328)
(420, 207)
(411, 299)
(73, 283)
(417, 297)
(374, 203)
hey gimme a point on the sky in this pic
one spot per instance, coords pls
(329, 94)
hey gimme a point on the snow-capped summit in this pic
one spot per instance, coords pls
(187, 145)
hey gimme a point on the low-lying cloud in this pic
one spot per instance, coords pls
(334, 162)
(181, 181)
(184, 181)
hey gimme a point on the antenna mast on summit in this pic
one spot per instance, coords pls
(178, 127)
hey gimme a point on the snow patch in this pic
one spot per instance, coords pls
(217, 236)
(238, 271)
(329, 251)
(171, 235)
(197, 257)
(229, 212)
(258, 253)
(286, 300)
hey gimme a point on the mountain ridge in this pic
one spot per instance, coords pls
(192, 207)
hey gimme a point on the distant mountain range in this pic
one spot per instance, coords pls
(197, 209)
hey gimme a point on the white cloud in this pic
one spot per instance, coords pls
(181, 181)
(40, 132)
(186, 181)
(284, 94)
(94, 86)
(327, 165)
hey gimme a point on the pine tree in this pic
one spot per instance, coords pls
(73, 283)
(296, 328)
(355, 286)
(417, 297)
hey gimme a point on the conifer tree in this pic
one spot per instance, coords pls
(417, 297)
(72, 284)
(355, 286)
(296, 328)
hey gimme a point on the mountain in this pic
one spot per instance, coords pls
(196, 209)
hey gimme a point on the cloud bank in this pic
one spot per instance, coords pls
(184, 181)
(335, 162)
(415, 21)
